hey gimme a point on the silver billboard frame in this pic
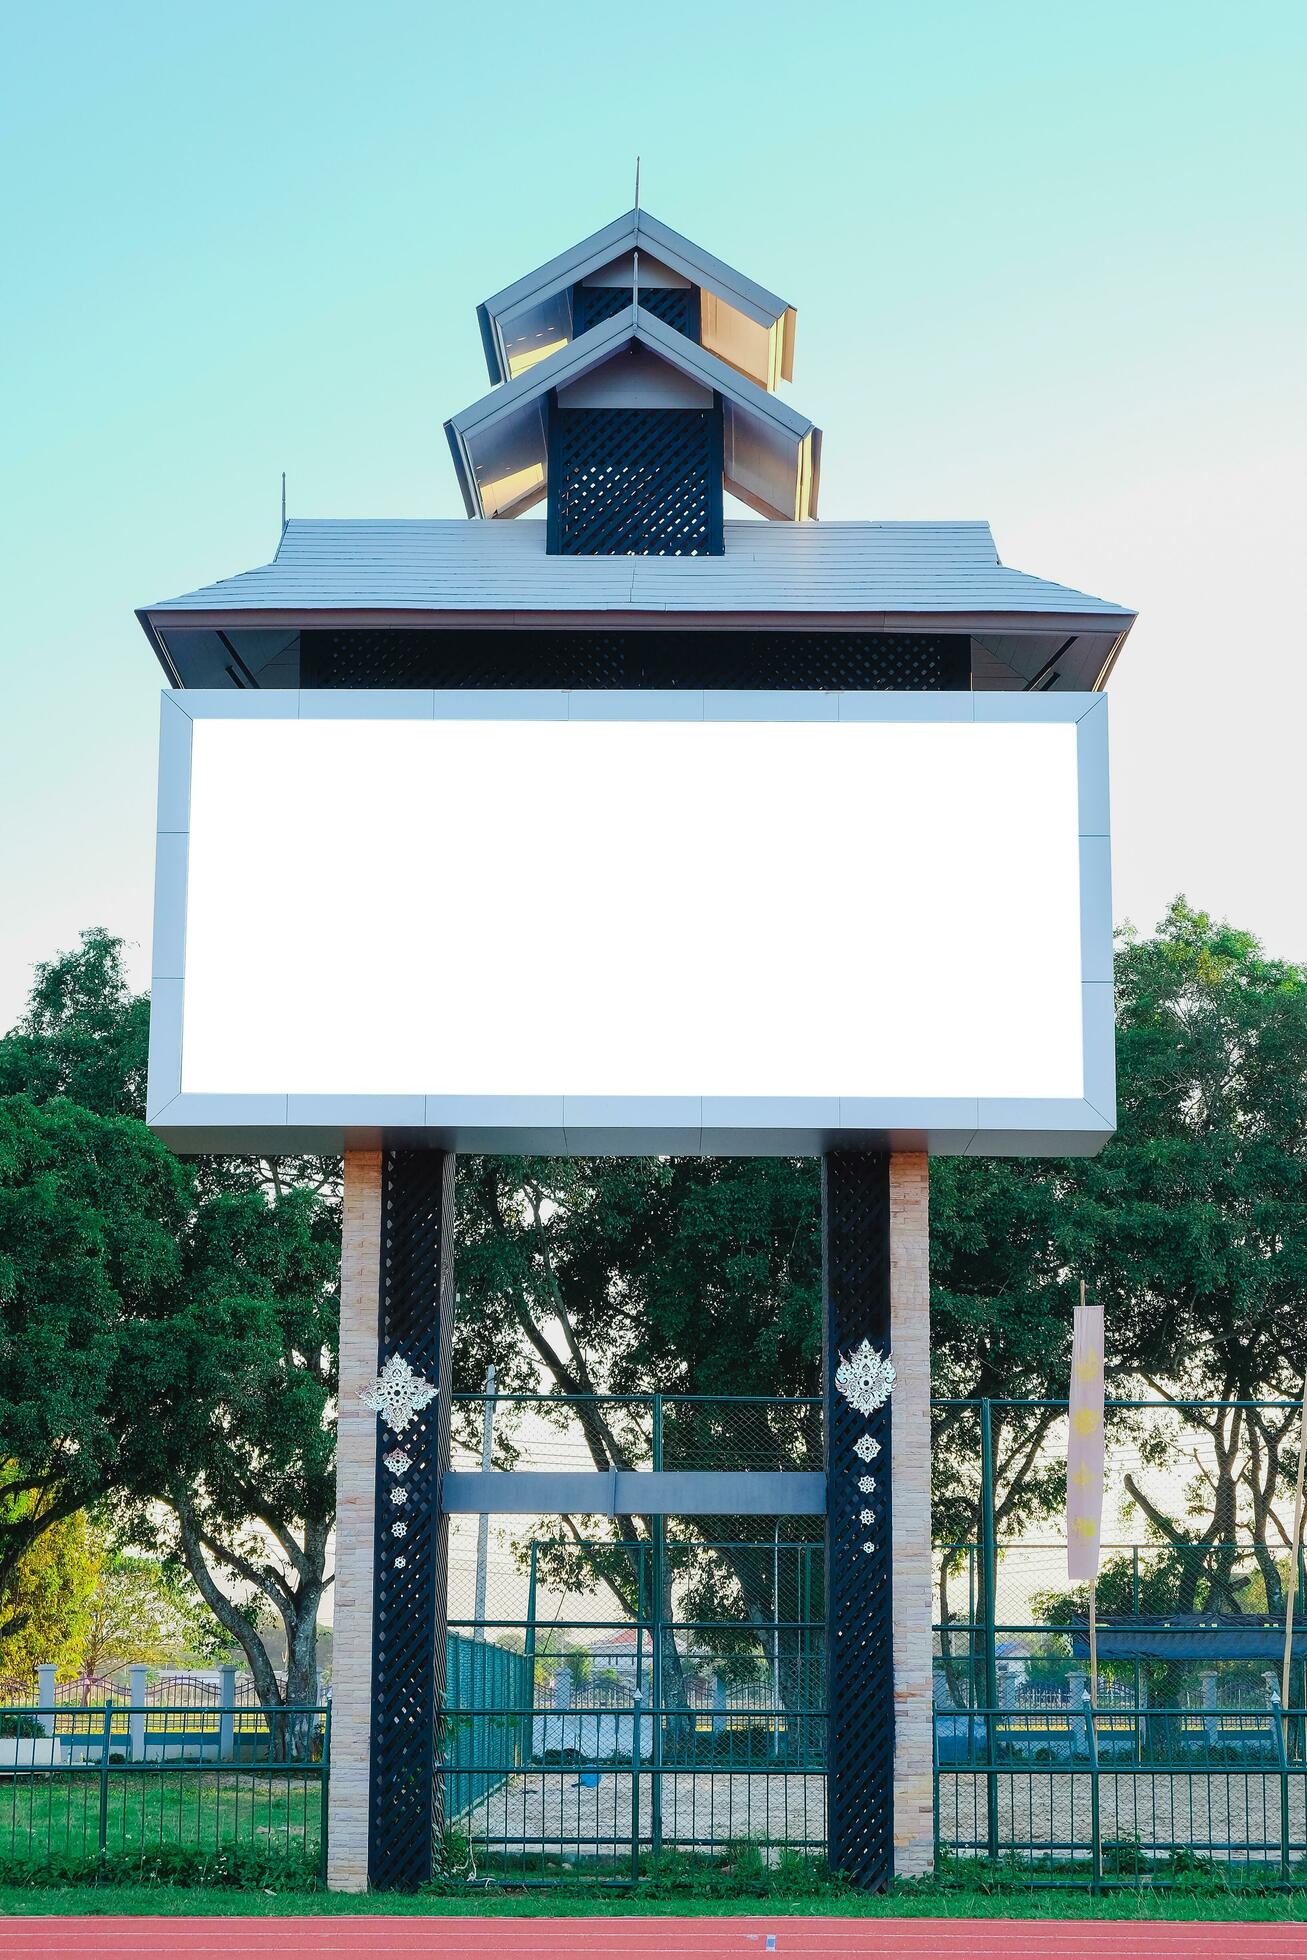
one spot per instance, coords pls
(621, 1125)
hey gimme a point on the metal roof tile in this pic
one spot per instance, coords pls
(461, 564)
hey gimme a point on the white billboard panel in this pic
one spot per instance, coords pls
(590, 921)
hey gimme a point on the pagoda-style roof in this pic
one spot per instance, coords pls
(747, 326)
(500, 444)
(635, 383)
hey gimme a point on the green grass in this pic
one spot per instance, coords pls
(233, 1842)
(268, 1881)
(57, 1817)
(177, 1901)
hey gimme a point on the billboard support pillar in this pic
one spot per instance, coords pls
(406, 1828)
(913, 1581)
(876, 1291)
(356, 1479)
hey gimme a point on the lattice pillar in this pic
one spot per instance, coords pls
(876, 1260)
(406, 1813)
(859, 1607)
(356, 1477)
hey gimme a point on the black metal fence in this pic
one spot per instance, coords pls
(625, 1702)
(1118, 1793)
(648, 1736)
(1185, 1759)
(82, 1787)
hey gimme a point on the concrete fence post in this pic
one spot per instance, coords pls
(45, 1703)
(1212, 1726)
(136, 1712)
(226, 1713)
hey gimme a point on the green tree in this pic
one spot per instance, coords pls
(46, 1606)
(615, 1276)
(1191, 1225)
(236, 1384)
(91, 1209)
(691, 1276)
(84, 1035)
(168, 1330)
(1199, 1206)
(139, 1611)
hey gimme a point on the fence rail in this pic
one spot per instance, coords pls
(641, 1432)
(697, 1718)
(1122, 1794)
(79, 1787)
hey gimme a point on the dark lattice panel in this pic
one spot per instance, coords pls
(859, 1616)
(677, 306)
(637, 481)
(408, 1667)
(928, 661)
(411, 657)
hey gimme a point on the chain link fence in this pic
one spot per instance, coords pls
(676, 1705)
(1180, 1754)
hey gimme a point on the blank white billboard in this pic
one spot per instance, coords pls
(554, 906)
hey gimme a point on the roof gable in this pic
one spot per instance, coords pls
(744, 323)
(500, 445)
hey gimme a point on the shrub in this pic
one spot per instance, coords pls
(233, 1868)
(1124, 1856)
(25, 1728)
(744, 1856)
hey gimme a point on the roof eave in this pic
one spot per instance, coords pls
(490, 345)
(161, 653)
(585, 256)
(965, 620)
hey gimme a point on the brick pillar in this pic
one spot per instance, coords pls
(356, 1478)
(914, 1821)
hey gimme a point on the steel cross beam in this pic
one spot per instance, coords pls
(624, 1493)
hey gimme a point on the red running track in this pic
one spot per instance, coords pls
(751, 1938)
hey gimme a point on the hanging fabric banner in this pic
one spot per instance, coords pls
(1085, 1449)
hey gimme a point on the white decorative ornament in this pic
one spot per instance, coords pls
(865, 1379)
(398, 1494)
(866, 1517)
(398, 1529)
(866, 1485)
(400, 1561)
(398, 1393)
(868, 1545)
(867, 1448)
(397, 1462)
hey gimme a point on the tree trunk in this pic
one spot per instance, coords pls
(291, 1735)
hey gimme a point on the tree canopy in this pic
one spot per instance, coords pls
(1191, 1224)
(704, 1275)
(84, 1035)
(167, 1329)
(47, 1602)
(91, 1212)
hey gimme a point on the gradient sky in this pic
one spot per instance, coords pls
(1048, 262)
